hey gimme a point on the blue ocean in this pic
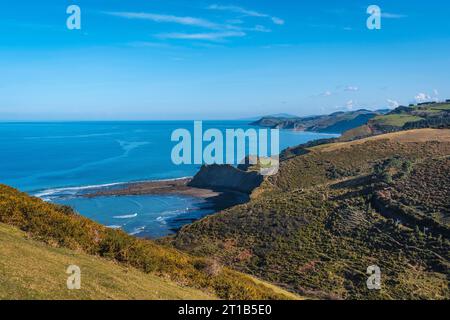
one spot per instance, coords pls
(56, 160)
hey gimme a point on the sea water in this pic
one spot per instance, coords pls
(57, 160)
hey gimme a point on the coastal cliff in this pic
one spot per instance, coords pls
(337, 122)
(226, 177)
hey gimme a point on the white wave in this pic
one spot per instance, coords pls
(137, 230)
(165, 215)
(162, 220)
(171, 213)
(170, 179)
(126, 216)
(73, 190)
(47, 194)
(114, 227)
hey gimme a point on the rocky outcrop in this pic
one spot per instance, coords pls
(226, 177)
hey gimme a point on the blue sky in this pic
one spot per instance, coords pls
(165, 59)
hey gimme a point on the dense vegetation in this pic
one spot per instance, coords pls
(30, 269)
(59, 226)
(423, 198)
(328, 214)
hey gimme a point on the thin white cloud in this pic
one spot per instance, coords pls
(211, 36)
(222, 30)
(278, 45)
(163, 18)
(148, 44)
(350, 104)
(235, 21)
(327, 93)
(393, 104)
(351, 88)
(246, 12)
(422, 97)
(278, 21)
(436, 95)
(259, 28)
(388, 15)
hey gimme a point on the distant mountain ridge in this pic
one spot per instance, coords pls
(363, 123)
(277, 115)
(337, 122)
(423, 115)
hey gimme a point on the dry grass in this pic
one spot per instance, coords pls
(33, 270)
(58, 226)
(419, 135)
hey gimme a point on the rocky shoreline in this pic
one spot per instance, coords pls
(216, 198)
(160, 187)
(219, 187)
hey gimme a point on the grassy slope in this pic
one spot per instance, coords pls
(314, 227)
(440, 106)
(58, 226)
(32, 270)
(418, 135)
(396, 120)
(421, 116)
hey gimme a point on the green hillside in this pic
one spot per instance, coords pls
(104, 254)
(395, 120)
(32, 270)
(336, 209)
(425, 115)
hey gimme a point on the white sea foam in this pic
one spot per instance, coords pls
(114, 227)
(171, 179)
(137, 230)
(126, 216)
(162, 220)
(47, 194)
(171, 213)
(165, 215)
